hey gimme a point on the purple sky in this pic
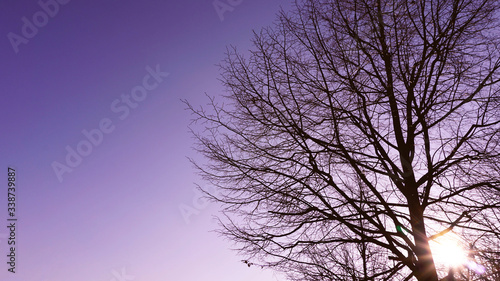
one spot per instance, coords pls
(118, 207)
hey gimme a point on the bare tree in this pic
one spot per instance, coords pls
(355, 133)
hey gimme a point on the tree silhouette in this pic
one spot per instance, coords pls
(355, 133)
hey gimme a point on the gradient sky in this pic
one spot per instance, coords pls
(119, 208)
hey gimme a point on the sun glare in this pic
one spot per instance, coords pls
(448, 251)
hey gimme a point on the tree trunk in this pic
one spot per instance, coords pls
(426, 270)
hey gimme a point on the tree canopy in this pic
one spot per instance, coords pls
(355, 134)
